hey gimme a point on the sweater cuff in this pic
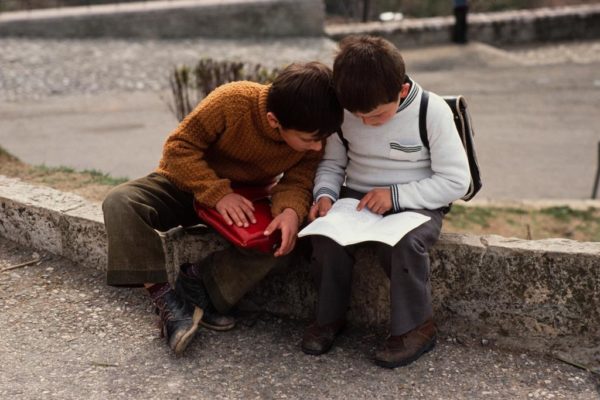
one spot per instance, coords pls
(326, 192)
(301, 212)
(299, 207)
(395, 198)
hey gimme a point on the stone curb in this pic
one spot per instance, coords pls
(506, 27)
(538, 295)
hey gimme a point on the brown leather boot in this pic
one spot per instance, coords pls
(404, 349)
(319, 339)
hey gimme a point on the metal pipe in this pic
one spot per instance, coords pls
(595, 190)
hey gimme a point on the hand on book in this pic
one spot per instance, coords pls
(287, 222)
(346, 225)
(237, 209)
(377, 200)
(320, 208)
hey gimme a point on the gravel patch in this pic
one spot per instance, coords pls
(560, 53)
(37, 68)
(65, 334)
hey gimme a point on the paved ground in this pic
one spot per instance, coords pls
(97, 104)
(65, 335)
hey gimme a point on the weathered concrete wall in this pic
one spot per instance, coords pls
(542, 295)
(510, 27)
(172, 19)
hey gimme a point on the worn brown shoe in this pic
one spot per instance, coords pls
(319, 339)
(404, 349)
(178, 320)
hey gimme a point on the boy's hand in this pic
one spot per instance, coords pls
(287, 222)
(378, 201)
(236, 209)
(320, 208)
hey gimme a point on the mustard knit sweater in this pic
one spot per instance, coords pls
(226, 139)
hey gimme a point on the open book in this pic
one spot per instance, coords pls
(347, 226)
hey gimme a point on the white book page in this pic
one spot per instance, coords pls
(392, 228)
(344, 224)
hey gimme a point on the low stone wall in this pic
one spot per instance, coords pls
(172, 19)
(509, 27)
(542, 295)
(276, 18)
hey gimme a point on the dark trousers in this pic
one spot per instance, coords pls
(406, 265)
(136, 210)
(459, 34)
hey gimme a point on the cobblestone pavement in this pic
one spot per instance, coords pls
(64, 334)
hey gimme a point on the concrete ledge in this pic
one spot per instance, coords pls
(172, 19)
(508, 27)
(46, 219)
(540, 295)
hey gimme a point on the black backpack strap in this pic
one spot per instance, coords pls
(423, 118)
(342, 138)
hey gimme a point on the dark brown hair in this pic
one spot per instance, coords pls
(302, 98)
(368, 71)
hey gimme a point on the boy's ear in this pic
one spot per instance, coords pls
(404, 90)
(272, 120)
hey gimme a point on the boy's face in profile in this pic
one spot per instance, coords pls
(298, 140)
(380, 114)
(301, 141)
(383, 112)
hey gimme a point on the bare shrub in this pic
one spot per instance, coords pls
(190, 85)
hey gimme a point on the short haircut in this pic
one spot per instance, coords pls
(302, 97)
(368, 71)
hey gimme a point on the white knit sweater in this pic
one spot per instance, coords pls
(393, 155)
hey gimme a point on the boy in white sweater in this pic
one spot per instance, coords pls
(379, 158)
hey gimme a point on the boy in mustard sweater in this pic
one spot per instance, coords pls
(243, 133)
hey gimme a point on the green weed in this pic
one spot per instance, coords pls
(102, 178)
(44, 169)
(5, 154)
(94, 176)
(565, 213)
(464, 217)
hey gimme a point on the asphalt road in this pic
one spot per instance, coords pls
(535, 112)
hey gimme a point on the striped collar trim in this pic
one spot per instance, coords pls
(412, 94)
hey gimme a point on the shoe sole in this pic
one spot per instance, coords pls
(312, 352)
(183, 342)
(315, 352)
(406, 361)
(219, 328)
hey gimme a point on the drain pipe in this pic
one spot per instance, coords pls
(595, 190)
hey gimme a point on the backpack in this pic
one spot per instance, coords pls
(462, 120)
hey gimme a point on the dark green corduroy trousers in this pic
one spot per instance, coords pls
(136, 210)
